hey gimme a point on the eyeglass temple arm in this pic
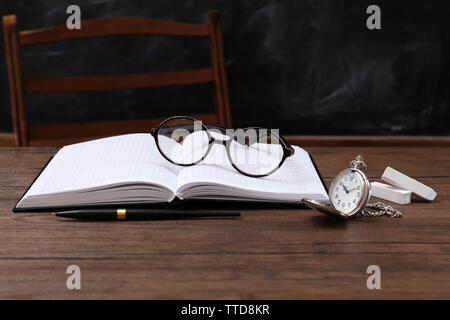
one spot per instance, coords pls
(222, 129)
(288, 145)
(169, 129)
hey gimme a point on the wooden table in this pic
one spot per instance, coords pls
(272, 252)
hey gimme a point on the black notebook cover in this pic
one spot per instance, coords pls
(176, 202)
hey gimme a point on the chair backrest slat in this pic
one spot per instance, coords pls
(89, 129)
(114, 26)
(115, 82)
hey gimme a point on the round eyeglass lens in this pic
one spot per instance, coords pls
(256, 152)
(184, 141)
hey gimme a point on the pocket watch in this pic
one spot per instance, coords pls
(349, 194)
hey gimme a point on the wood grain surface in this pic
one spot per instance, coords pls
(271, 252)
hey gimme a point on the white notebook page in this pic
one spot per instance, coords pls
(109, 161)
(296, 177)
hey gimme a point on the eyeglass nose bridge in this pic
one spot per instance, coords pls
(217, 141)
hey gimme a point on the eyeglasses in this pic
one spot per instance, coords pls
(253, 151)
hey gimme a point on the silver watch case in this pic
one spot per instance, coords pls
(330, 210)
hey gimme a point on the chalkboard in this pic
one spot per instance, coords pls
(303, 66)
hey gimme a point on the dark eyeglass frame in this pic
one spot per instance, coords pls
(288, 150)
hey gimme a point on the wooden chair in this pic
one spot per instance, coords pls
(56, 135)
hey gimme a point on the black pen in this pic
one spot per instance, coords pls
(141, 214)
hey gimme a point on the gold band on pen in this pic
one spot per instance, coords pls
(121, 214)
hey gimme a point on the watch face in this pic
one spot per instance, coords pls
(346, 191)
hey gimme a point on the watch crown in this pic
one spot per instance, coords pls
(359, 163)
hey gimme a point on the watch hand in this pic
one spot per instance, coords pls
(352, 189)
(345, 188)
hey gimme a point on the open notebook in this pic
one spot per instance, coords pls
(128, 169)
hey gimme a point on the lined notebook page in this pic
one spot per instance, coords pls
(296, 177)
(98, 163)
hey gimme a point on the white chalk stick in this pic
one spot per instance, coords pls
(400, 180)
(390, 193)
